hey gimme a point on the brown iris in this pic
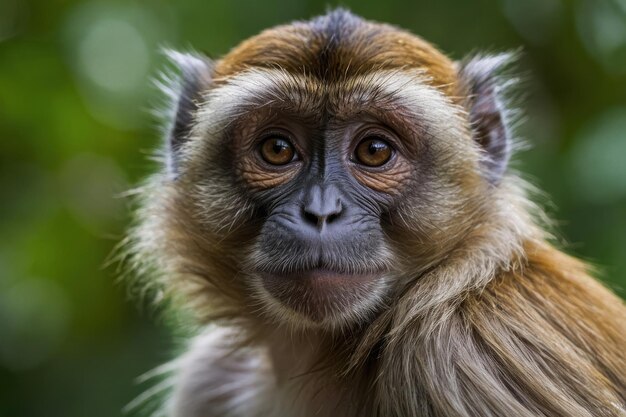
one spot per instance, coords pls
(276, 150)
(373, 152)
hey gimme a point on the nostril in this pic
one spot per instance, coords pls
(332, 217)
(310, 217)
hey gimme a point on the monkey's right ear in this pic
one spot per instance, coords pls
(185, 91)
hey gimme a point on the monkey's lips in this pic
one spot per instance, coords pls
(321, 294)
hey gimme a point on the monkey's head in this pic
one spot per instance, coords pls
(315, 164)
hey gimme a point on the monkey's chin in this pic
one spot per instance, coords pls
(323, 297)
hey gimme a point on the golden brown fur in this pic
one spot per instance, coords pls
(484, 317)
(362, 47)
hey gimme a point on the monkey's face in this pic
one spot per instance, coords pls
(328, 169)
(350, 174)
(322, 186)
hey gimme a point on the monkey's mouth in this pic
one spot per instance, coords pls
(322, 294)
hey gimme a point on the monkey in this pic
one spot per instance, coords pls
(335, 208)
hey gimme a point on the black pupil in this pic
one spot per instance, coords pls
(279, 146)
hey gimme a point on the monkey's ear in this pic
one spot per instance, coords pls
(185, 90)
(481, 77)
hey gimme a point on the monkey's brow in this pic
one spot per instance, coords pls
(405, 96)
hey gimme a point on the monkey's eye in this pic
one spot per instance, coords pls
(373, 151)
(277, 150)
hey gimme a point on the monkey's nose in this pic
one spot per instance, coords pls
(322, 207)
(321, 218)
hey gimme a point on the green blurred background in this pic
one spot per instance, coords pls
(76, 130)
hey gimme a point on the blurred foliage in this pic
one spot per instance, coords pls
(75, 128)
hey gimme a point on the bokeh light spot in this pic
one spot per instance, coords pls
(114, 55)
(602, 28)
(597, 159)
(535, 20)
(111, 48)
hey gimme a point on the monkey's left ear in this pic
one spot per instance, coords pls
(185, 91)
(481, 77)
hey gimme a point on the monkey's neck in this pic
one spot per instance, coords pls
(305, 370)
(291, 354)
